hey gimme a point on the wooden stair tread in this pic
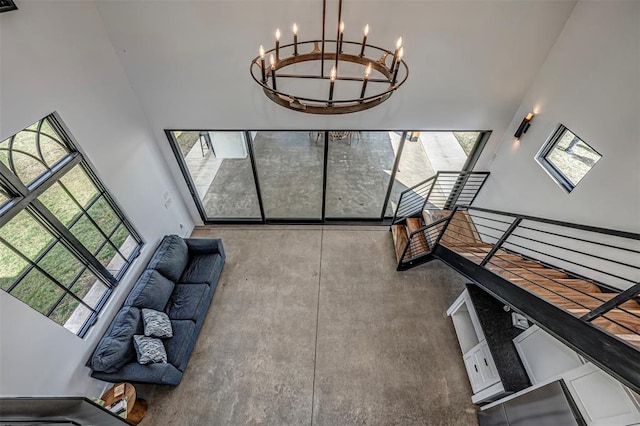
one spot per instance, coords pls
(575, 301)
(632, 339)
(590, 300)
(461, 229)
(579, 284)
(527, 273)
(400, 239)
(430, 216)
(419, 244)
(621, 317)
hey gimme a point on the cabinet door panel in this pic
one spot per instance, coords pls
(601, 399)
(543, 356)
(473, 371)
(488, 365)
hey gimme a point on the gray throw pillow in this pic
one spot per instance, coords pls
(149, 350)
(156, 324)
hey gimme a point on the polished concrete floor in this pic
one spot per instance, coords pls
(313, 325)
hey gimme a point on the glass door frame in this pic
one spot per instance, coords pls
(471, 161)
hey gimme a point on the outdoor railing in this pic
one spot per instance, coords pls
(441, 191)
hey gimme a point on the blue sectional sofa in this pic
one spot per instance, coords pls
(180, 280)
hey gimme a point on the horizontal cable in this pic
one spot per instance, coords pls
(576, 251)
(569, 261)
(581, 239)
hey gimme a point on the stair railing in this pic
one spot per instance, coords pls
(441, 191)
(603, 257)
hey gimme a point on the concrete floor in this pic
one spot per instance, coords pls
(313, 325)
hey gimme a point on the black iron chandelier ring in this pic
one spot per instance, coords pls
(326, 106)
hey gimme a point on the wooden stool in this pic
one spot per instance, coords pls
(136, 408)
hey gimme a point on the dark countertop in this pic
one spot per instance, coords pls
(499, 334)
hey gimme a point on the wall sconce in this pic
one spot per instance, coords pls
(524, 126)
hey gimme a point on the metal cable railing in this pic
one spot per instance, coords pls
(441, 191)
(591, 272)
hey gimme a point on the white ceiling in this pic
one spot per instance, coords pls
(471, 62)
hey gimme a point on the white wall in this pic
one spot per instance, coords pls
(591, 83)
(470, 62)
(56, 56)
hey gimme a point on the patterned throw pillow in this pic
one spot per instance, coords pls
(149, 350)
(156, 324)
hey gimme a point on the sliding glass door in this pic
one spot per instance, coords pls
(358, 172)
(313, 176)
(219, 169)
(290, 170)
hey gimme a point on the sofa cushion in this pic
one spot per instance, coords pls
(152, 291)
(186, 301)
(180, 345)
(156, 324)
(149, 349)
(202, 268)
(170, 258)
(116, 347)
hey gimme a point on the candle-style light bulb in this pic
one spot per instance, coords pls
(278, 44)
(340, 37)
(395, 54)
(395, 72)
(364, 39)
(262, 70)
(273, 71)
(295, 29)
(367, 72)
(332, 79)
(295, 39)
(278, 34)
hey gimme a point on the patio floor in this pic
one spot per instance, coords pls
(290, 169)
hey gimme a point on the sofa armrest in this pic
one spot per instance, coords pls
(205, 246)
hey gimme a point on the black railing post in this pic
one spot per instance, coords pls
(444, 227)
(392, 179)
(501, 241)
(426, 199)
(612, 303)
(397, 208)
(404, 252)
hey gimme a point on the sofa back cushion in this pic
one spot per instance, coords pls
(116, 347)
(152, 291)
(171, 257)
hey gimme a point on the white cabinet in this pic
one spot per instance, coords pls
(543, 356)
(481, 368)
(601, 399)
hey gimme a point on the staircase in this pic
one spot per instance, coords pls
(423, 210)
(579, 283)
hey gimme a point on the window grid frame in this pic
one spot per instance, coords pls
(23, 197)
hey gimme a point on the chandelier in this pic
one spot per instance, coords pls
(300, 81)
